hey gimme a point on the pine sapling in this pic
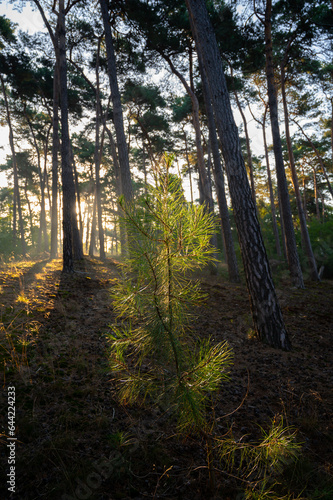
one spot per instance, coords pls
(154, 354)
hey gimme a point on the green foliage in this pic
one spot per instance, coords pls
(321, 235)
(158, 357)
(260, 464)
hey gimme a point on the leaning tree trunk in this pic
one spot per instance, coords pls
(125, 174)
(266, 312)
(301, 215)
(289, 233)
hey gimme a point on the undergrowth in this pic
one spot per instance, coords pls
(154, 356)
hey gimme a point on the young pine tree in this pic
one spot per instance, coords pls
(155, 355)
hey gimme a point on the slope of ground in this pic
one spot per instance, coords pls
(74, 441)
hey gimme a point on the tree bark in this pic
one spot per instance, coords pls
(71, 240)
(66, 170)
(125, 174)
(289, 233)
(266, 313)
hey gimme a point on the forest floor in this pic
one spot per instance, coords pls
(75, 441)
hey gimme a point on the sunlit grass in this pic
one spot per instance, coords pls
(22, 299)
(19, 327)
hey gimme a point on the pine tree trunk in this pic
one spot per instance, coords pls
(301, 215)
(17, 201)
(97, 156)
(188, 166)
(228, 241)
(55, 165)
(42, 218)
(66, 167)
(44, 181)
(203, 177)
(125, 174)
(118, 188)
(318, 157)
(270, 187)
(248, 146)
(316, 193)
(289, 233)
(266, 313)
(30, 213)
(92, 245)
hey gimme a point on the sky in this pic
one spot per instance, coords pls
(28, 20)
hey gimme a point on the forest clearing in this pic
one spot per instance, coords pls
(68, 418)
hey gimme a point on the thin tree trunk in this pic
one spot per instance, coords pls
(304, 194)
(270, 184)
(270, 187)
(118, 187)
(203, 177)
(44, 182)
(289, 233)
(42, 218)
(318, 156)
(77, 229)
(97, 156)
(55, 164)
(188, 166)
(14, 219)
(66, 168)
(92, 245)
(266, 313)
(316, 193)
(71, 239)
(228, 242)
(247, 139)
(332, 125)
(125, 174)
(144, 167)
(30, 213)
(323, 205)
(304, 229)
(16, 182)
